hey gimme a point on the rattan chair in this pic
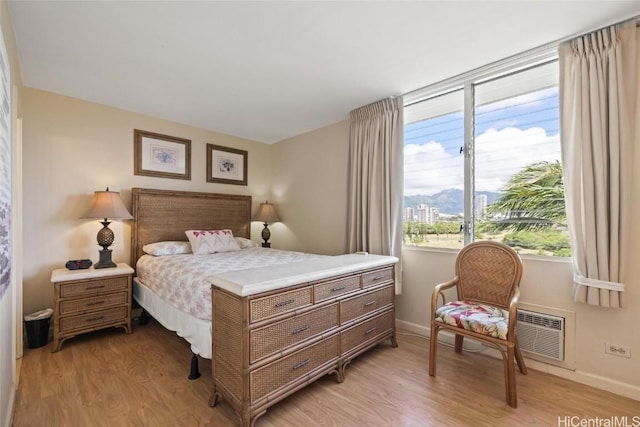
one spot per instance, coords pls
(487, 280)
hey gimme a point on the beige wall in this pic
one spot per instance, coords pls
(310, 189)
(73, 148)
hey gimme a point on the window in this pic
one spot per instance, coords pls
(483, 162)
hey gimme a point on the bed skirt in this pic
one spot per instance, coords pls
(197, 332)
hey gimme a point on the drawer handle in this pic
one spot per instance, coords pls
(95, 303)
(283, 303)
(91, 288)
(378, 278)
(370, 303)
(93, 319)
(338, 288)
(370, 330)
(301, 364)
(300, 329)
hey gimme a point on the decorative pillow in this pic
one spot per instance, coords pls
(245, 243)
(211, 241)
(167, 248)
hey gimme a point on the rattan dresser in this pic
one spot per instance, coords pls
(268, 345)
(88, 300)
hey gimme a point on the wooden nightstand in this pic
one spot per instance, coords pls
(91, 299)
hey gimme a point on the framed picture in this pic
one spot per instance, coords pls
(6, 174)
(161, 155)
(226, 165)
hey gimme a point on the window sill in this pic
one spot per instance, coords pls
(528, 257)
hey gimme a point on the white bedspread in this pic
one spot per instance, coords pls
(184, 281)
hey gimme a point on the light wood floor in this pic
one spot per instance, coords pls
(109, 378)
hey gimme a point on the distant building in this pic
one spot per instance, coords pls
(426, 214)
(481, 205)
(409, 214)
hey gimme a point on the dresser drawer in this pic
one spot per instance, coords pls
(272, 305)
(377, 277)
(92, 287)
(352, 308)
(276, 337)
(271, 377)
(112, 315)
(359, 334)
(92, 303)
(328, 290)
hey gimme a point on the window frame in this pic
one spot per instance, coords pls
(467, 82)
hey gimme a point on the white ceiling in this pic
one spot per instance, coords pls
(270, 70)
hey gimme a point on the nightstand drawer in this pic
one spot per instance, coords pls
(355, 307)
(323, 291)
(275, 375)
(377, 277)
(99, 302)
(113, 315)
(95, 286)
(280, 335)
(268, 306)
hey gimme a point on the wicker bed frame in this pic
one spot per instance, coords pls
(161, 215)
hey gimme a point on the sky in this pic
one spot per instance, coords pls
(509, 135)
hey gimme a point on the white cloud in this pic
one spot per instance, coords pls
(499, 154)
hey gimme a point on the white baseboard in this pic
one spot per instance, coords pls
(597, 381)
(623, 389)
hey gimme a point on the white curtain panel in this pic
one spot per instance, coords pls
(376, 147)
(598, 77)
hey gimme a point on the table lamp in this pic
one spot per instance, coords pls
(106, 205)
(266, 214)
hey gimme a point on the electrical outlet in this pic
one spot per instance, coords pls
(617, 350)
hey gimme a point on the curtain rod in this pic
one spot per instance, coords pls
(538, 54)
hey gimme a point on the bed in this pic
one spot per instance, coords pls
(164, 216)
(264, 309)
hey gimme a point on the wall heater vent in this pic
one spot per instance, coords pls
(541, 334)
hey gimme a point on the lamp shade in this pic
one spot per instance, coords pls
(108, 205)
(266, 213)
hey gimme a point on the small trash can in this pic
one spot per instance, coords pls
(37, 327)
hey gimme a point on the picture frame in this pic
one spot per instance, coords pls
(161, 156)
(6, 172)
(226, 165)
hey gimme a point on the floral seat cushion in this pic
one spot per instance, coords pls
(479, 318)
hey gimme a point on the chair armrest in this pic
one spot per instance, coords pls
(437, 291)
(513, 313)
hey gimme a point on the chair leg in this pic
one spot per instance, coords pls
(520, 359)
(433, 345)
(510, 371)
(458, 343)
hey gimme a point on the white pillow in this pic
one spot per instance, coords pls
(167, 248)
(245, 243)
(211, 241)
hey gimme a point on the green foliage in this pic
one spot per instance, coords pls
(544, 242)
(533, 199)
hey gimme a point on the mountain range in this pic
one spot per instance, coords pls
(450, 201)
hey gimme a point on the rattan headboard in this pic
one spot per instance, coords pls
(160, 215)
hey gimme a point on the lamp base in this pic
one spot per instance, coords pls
(105, 260)
(266, 234)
